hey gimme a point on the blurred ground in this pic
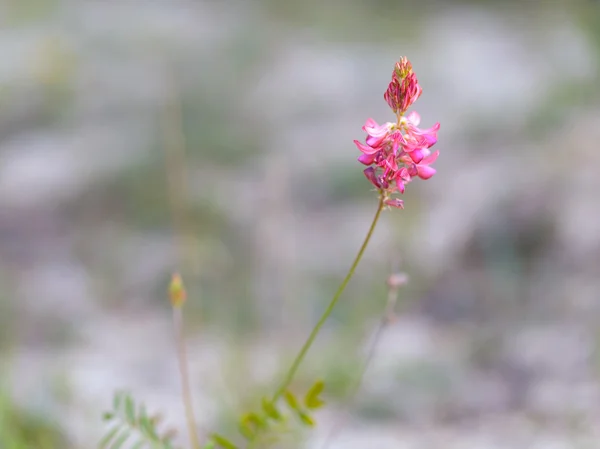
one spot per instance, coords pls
(215, 138)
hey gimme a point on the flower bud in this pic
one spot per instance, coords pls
(404, 88)
(177, 294)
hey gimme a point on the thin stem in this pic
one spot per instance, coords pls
(311, 338)
(186, 392)
(387, 318)
(175, 159)
(177, 189)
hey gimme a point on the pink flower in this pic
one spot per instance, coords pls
(422, 169)
(397, 153)
(404, 88)
(377, 138)
(418, 138)
(376, 132)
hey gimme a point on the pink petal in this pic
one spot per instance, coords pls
(416, 155)
(366, 159)
(430, 133)
(400, 185)
(431, 158)
(391, 162)
(404, 174)
(365, 148)
(375, 141)
(370, 174)
(370, 123)
(397, 141)
(373, 129)
(395, 202)
(434, 129)
(425, 171)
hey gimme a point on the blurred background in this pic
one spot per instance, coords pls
(214, 138)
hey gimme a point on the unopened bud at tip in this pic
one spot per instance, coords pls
(177, 294)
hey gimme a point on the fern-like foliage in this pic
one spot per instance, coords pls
(131, 426)
(263, 427)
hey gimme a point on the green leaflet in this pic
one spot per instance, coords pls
(312, 400)
(306, 419)
(291, 400)
(270, 410)
(223, 442)
(108, 437)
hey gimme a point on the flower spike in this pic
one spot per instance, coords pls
(396, 153)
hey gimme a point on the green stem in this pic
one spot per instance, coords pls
(313, 335)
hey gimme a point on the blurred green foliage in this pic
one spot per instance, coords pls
(130, 423)
(26, 11)
(24, 430)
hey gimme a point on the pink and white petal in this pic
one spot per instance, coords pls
(372, 128)
(413, 118)
(370, 124)
(375, 141)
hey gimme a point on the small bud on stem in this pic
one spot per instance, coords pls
(177, 293)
